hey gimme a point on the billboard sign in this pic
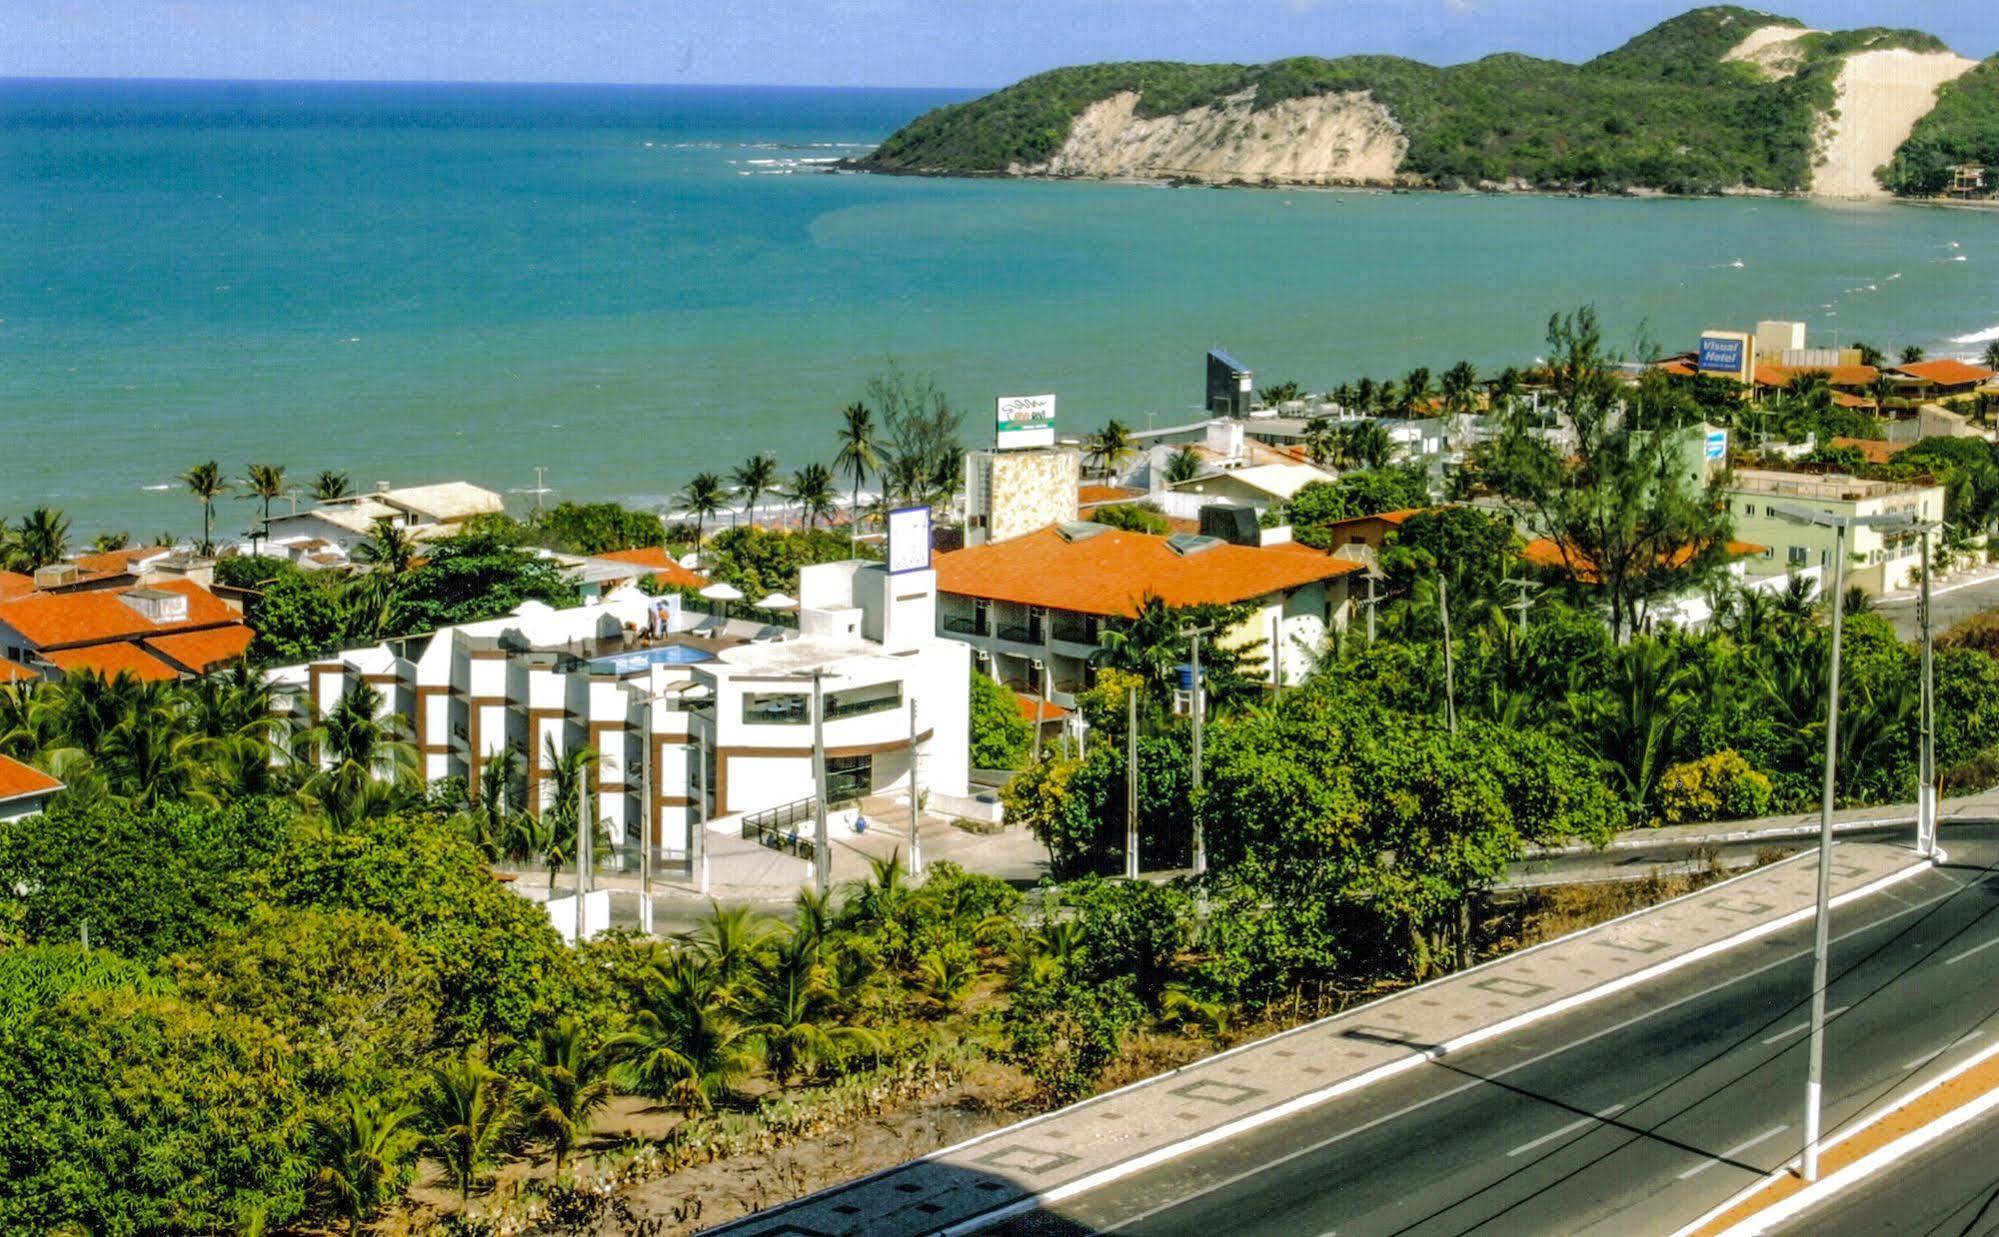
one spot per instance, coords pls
(1025, 421)
(1717, 444)
(908, 540)
(1726, 354)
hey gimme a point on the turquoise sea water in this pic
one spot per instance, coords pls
(628, 284)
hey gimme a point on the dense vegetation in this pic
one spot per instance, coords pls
(1962, 128)
(1663, 111)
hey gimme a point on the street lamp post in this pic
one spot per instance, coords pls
(1815, 1065)
(1131, 783)
(1200, 714)
(1926, 764)
(915, 811)
(822, 857)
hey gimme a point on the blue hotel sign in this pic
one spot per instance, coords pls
(1720, 356)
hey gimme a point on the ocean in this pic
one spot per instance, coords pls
(625, 285)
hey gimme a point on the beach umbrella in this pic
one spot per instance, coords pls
(778, 601)
(721, 590)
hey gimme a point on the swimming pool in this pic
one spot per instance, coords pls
(637, 660)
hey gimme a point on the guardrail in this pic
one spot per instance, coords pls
(778, 828)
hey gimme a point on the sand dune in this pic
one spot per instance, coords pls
(1774, 50)
(1331, 139)
(1881, 97)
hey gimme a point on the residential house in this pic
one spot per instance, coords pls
(1877, 562)
(1940, 379)
(24, 790)
(1032, 608)
(336, 527)
(158, 632)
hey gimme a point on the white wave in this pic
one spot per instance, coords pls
(156, 488)
(1989, 335)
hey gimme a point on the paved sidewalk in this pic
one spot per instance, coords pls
(1075, 1149)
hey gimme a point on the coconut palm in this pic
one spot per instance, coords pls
(152, 758)
(1912, 354)
(567, 778)
(1992, 355)
(464, 1117)
(1415, 390)
(685, 1045)
(362, 1145)
(1109, 447)
(105, 543)
(495, 800)
(42, 538)
(1459, 386)
(1183, 466)
(565, 1081)
(389, 552)
(705, 496)
(264, 482)
(1633, 718)
(812, 490)
(206, 482)
(794, 1016)
(859, 454)
(329, 485)
(754, 478)
(734, 941)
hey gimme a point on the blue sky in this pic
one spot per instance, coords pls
(829, 42)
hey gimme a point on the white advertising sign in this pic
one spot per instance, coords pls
(1025, 421)
(908, 540)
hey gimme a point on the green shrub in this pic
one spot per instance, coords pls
(1718, 787)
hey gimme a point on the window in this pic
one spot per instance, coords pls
(1797, 556)
(775, 709)
(849, 778)
(856, 701)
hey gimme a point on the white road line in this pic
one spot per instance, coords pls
(1928, 1057)
(1732, 1152)
(1954, 959)
(1398, 1114)
(1788, 1032)
(1570, 1128)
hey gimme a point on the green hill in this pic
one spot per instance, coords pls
(1664, 111)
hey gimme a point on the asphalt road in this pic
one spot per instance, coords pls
(1953, 605)
(1950, 1189)
(1631, 1115)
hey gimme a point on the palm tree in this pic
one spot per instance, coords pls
(1460, 382)
(565, 1081)
(329, 485)
(567, 779)
(1415, 389)
(104, 543)
(706, 495)
(371, 765)
(206, 482)
(733, 940)
(859, 455)
(794, 1011)
(43, 538)
(684, 1046)
(388, 553)
(151, 757)
(266, 482)
(464, 1117)
(1912, 354)
(812, 490)
(1109, 446)
(1633, 719)
(754, 478)
(363, 1144)
(1183, 466)
(1992, 355)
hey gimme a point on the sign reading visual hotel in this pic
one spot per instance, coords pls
(1025, 421)
(1728, 354)
(908, 540)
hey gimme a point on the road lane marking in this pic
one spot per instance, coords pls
(1928, 1057)
(1732, 1152)
(1954, 959)
(1570, 1128)
(1272, 1164)
(1788, 1032)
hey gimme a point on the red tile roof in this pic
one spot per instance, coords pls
(1836, 375)
(665, 569)
(1873, 450)
(198, 652)
(1544, 552)
(13, 584)
(111, 660)
(1049, 710)
(15, 672)
(19, 781)
(59, 620)
(118, 562)
(1112, 572)
(1093, 495)
(1946, 372)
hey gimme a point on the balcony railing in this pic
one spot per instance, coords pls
(965, 626)
(779, 827)
(1076, 631)
(1020, 634)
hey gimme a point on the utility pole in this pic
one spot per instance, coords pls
(1521, 606)
(700, 814)
(1926, 765)
(822, 857)
(1277, 652)
(1373, 601)
(915, 812)
(1200, 716)
(645, 819)
(1815, 1067)
(582, 847)
(1450, 666)
(1131, 783)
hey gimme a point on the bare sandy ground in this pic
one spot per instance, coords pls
(1333, 139)
(1774, 50)
(1881, 97)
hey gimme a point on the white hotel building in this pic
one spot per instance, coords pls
(703, 722)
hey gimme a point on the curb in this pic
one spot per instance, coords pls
(1311, 1099)
(1851, 1174)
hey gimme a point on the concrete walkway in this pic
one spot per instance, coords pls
(1071, 1151)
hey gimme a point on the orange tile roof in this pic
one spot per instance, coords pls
(18, 781)
(13, 584)
(15, 672)
(665, 569)
(117, 562)
(1544, 552)
(59, 620)
(1836, 375)
(1091, 495)
(1678, 368)
(111, 660)
(1946, 372)
(1112, 572)
(1841, 399)
(198, 652)
(1049, 710)
(1873, 450)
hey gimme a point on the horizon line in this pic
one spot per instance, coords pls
(14, 78)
